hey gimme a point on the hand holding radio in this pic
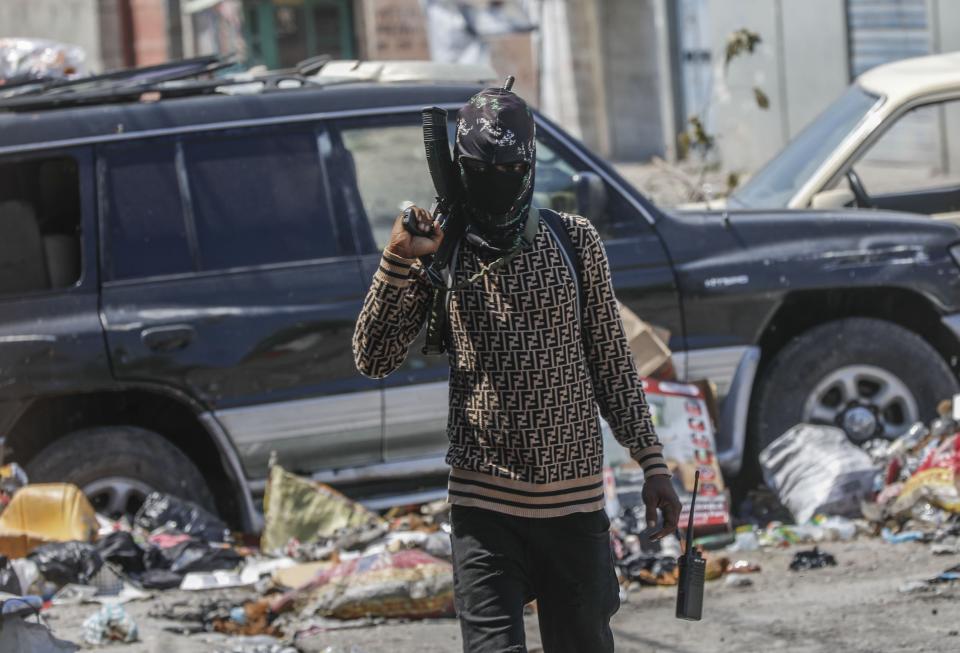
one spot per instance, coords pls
(657, 493)
(415, 234)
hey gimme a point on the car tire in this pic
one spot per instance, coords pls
(791, 381)
(117, 466)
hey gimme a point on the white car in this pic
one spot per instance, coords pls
(891, 141)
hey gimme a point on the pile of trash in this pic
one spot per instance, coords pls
(25, 59)
(820, 488)
(902, 490)
(323, 559)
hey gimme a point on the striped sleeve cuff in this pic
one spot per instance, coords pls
(395, 270)
(652, 462)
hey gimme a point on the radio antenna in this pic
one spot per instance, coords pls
(693, 502)
(508, 85)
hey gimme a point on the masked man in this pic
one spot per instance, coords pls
(526, 376)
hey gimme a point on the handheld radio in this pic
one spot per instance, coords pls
(692, 570)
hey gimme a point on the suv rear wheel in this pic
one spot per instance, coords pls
(117, 466)
(871, 378)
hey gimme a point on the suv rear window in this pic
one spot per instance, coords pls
(40, 224)
(146, 229)
(258, 198)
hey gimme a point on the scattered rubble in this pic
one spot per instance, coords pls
(326, 563)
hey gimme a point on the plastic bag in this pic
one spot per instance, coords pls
(24, 59)
(9, 582)
(159, 510)
(120, 549)
(935, 481)
(110, 624)
(193, 555)
(67, 562)
(295, 508)
(816, 469)
(160, 579)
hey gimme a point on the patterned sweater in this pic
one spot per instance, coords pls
(523, 392)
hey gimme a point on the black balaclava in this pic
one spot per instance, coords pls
(496, 127)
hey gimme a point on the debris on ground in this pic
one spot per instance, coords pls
(737, 581)
(408, 584)
(109, 624)
(812, 559)
(327, 563)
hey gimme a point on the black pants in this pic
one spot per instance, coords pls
(502, 562)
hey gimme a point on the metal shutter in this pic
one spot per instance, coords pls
(886, 30)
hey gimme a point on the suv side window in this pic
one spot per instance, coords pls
(556, 189)
(145, 231)
(258, 198)
(39, 224)
(384, 159)
(919, 152)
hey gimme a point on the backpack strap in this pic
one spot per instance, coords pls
(437, 340)
(569, 251)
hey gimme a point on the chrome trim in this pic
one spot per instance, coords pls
(254, 427)
(415, 420)
(252, 518)
(565, 140)
(719, 364)
(382, 502)
(952, 322)
(734, 412)
(379, 471)
(423, 496)
(214, 126)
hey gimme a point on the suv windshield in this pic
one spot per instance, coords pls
(781, 178)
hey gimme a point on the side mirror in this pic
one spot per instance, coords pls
(837, 198)
(591, 194)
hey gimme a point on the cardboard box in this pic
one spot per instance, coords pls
(648, 344)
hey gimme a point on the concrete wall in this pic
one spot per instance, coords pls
(747, 135)
(586, 54)
(69, 21)
(631, 68)
(801, 64)
(815, 60)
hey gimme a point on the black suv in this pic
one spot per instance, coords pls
(179, 282)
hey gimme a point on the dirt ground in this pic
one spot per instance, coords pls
(855, 606)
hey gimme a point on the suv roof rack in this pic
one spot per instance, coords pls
(407, 71)
(189, 77)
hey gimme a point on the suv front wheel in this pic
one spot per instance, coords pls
(117, 466)
(871, 378)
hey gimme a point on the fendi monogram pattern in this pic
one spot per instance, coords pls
(524, 385)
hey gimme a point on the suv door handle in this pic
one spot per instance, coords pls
(168, 338)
